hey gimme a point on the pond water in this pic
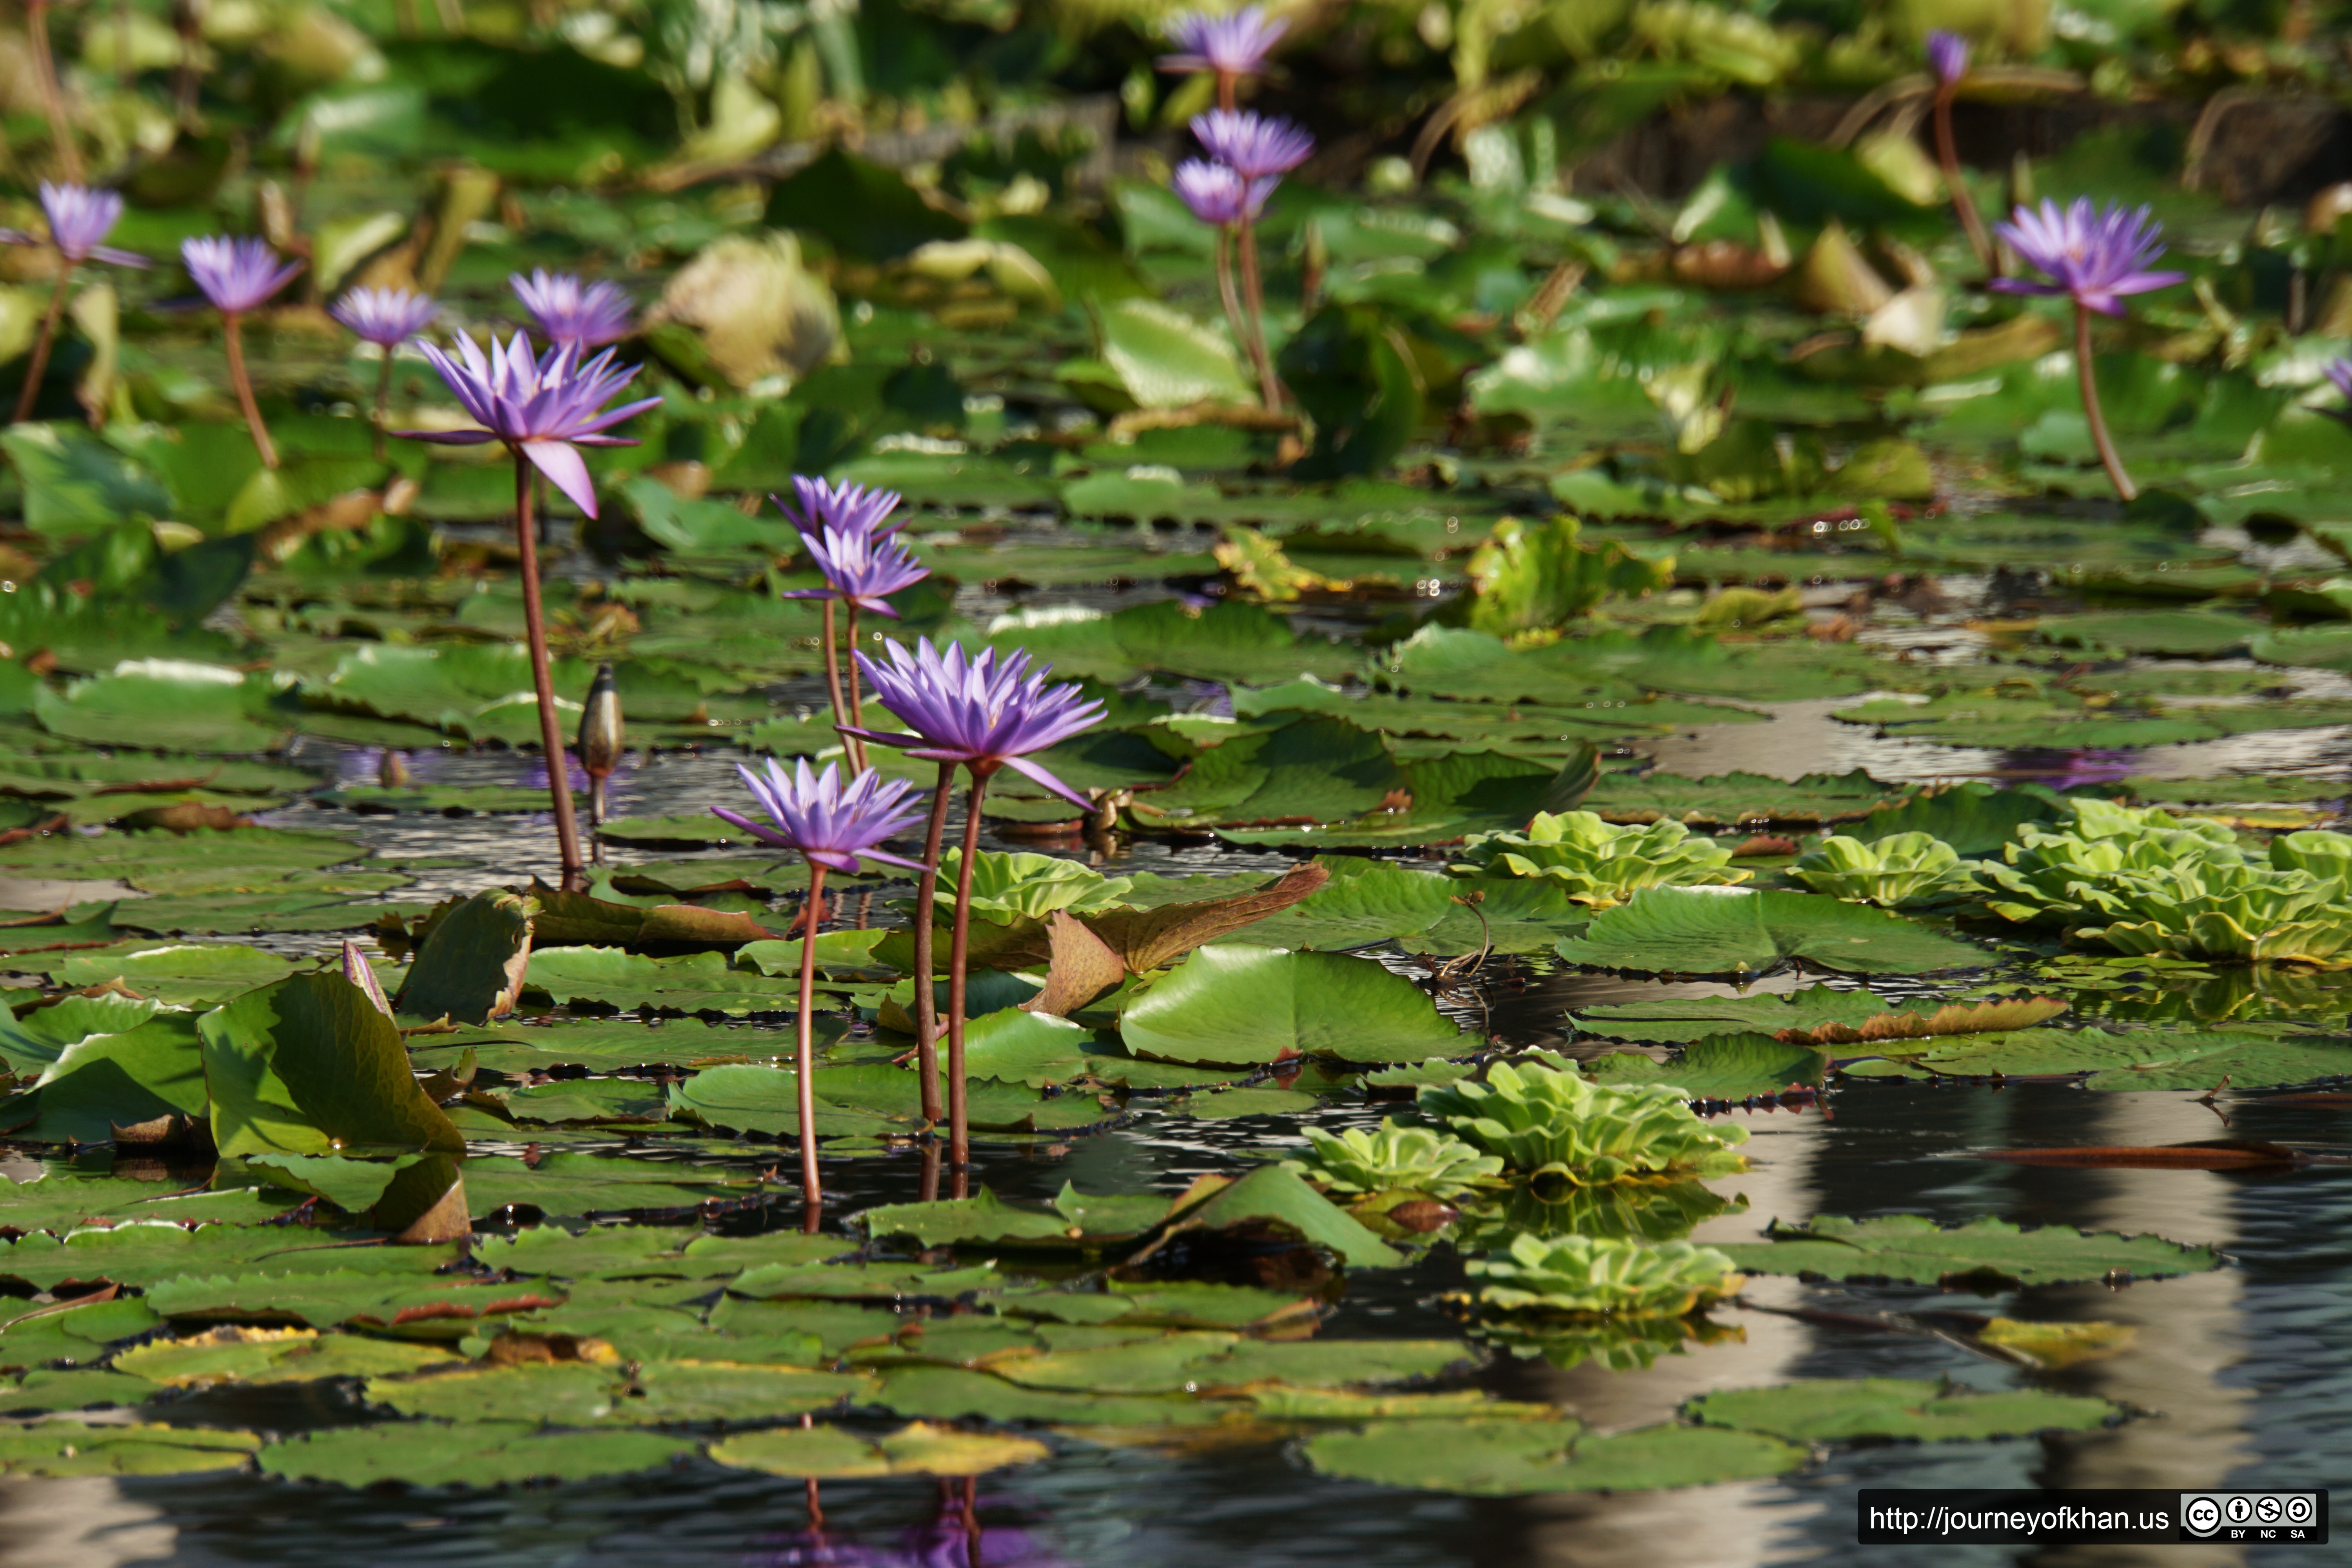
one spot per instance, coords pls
(2234, 1376)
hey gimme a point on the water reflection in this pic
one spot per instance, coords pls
(957, 1535)
(86, 1522)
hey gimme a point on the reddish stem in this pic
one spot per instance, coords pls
(383, 401)
(959, 949)
(40, 365)
(832, 673)
(1947, 153)
(1253, 298)
(926, 1002)
(805, 1046)
(1231, 295)
(2108, 457)
(233, 325)
(551, 738)
(855, 745)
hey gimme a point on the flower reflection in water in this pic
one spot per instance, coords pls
(954, 1538)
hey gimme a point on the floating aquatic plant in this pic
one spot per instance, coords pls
(2187, 890)
(1551, 1122)
(1413, 1159)
(1600, 863)
(2094, 257)
(1898, 869)
(1583, 1274)
(833, 823)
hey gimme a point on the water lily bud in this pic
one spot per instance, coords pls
(600, 725)
(356, 971)
(391, 771)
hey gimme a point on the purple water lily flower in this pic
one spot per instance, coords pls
(1217, 193)
(860, 569)
(2094, 257)
(236, 275)
(2340, 373)
(832, 823)
(1252, 145)
(385, 317)
(544, 407)
(1230, 45)
(986, 712)
(1947, 57)
(843, 507)
(79, 218)
(585, 315)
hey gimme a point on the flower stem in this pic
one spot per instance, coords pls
(2125, 489)
(1948, 154)
(959, 948)
(856, 705)
(1231, 294)
(1226, 84)
(832, 675)
(39, 363)
(233, 326)
(926, 1002)
(1254, 301)
(53, 98)
(551, 738)
(804, 1042)
(383, 401)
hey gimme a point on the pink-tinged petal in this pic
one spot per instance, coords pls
(563, 467)
(765, 835)
(834, 859)
(1036, 775)
(18, 236)
(606, 441)
(108, 252)
(2024, 286)
(448, 437)
(879, 606)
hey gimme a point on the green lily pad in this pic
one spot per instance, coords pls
(465, 1454)
(60, 1448)
(1691, 932)
(1233, 1002)
(1913, 1249)
(1841, 1409)
(1506, 1458)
